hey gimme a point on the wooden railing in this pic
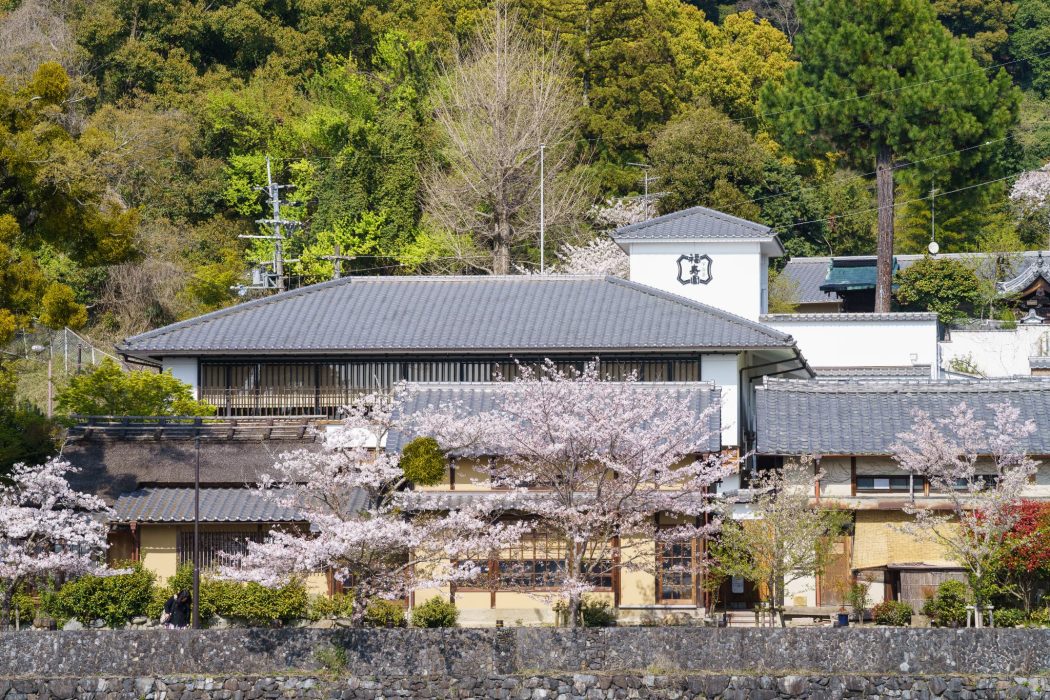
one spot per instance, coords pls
(169, 427)
(281, 401)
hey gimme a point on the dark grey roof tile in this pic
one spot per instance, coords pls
(691, 224)
(460, 314)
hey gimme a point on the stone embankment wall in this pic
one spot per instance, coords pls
(534, 663)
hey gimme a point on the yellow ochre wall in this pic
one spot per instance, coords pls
(878, 541)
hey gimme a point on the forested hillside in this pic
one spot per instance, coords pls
(134, 134)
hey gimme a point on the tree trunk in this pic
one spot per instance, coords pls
(5, 609)
(501, 246)
(884, 266)
(574, 610)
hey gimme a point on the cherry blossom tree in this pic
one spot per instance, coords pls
(592, 464)
(46, 529)
(351, 495)
(979, 470)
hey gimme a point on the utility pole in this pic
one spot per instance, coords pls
(933, 247)
(645, 179)
(196, 621)
(542, 212)
(337, 261)
(273, 193)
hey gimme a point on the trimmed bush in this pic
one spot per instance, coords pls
(379, 613)
(893, 613)
(1010, 617)
(947, 607)
(322, 606)
(114, 599)
(423, 461)
(436, 612)
(255, 604)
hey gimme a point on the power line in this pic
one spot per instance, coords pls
(857, 212)
(860, 176)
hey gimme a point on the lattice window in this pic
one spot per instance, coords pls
(677, 566)
(212, 543)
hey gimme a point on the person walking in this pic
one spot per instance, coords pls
(177, 610)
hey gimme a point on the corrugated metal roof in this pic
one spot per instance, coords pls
(692, 224)
(462, 314)
(175, 505)
(477, 398)
(798, 417)
(847, 274)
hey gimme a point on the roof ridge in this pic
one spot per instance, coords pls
(682, 213)
(700, 306)
(320, 286)
(861, 385)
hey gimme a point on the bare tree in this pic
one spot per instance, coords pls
(780, 13)
(496, 105)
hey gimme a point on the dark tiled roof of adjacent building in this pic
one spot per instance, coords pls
(693, 224)
(808, 274)
(853, 417)
(908, 372)
(175, 505)
(112, 466)
(368, 315)
(811, 273)
(486, 397)
(1039, 362)
(1032, 270)
(854, 316)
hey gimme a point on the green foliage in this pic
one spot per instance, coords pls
(324, 606)
(706, 159)
(965, 364)
(784, 295)
(597, 613)
(423, 461)
(982, 23)
(857, 598)
(107, 390)
(1030, 42)
(1010, 617)
(436, 612)
(247, 602)
(26, 434)
(894, 613)
(60, 308)
(947, 607)
(115, 599)
(942, 285)
(383, 613)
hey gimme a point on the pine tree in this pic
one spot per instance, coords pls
(883, 80)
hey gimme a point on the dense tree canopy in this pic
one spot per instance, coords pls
(134, 136)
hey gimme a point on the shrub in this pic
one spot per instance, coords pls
(1040, 617)
(436, 612)
(380, 612)
(250, 602)
(597, 613)
(423, 461)
(892, 612)
(947, 607)
(322, 606)
(114, 599)
(1010, 617)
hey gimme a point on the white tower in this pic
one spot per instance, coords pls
(706, 256)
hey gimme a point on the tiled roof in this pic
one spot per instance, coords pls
(908, 372)
(797, 417)
(109, 467)
(486, 397)
(460, 314)
(692, 224)
(175, 505)
(1039, 362)
(890, 316)
(1033, 270)
(808, 274)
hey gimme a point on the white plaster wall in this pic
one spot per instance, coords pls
(846, 342)
(738, 273)
(801, 592)
(722, 370)
(184, 369)
(998, 353)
